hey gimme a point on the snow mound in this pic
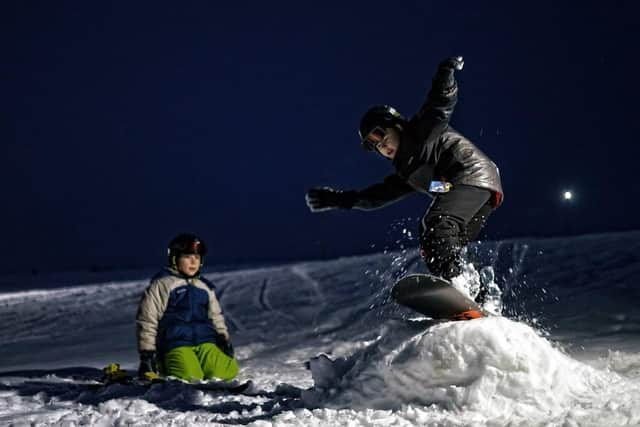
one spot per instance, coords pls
(493, 367)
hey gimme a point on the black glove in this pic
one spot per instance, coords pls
(444, 79)
(454, 63)
(225, 345)
(325, 198)
(148, 363)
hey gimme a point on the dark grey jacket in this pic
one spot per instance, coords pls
(431, 150)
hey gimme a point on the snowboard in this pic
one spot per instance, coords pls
(435, 297)
(113, 374)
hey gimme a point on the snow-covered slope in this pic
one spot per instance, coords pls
(566, 352)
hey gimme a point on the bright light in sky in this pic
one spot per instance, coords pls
(568, 195)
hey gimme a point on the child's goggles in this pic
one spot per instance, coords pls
(373, 138)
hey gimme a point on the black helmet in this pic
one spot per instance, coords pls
(185, 244)
(383, 116)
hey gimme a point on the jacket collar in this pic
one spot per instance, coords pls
(407, 156)
(174, 272)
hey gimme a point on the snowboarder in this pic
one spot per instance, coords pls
(428, 156)
(181, 330)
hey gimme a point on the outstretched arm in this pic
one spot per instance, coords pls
(393, 188)
(442, 98)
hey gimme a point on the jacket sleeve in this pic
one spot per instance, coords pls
(440, 103)
(150, 311)
(215, 313)
(392, 189)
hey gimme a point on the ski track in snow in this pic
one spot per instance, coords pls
(567, 354)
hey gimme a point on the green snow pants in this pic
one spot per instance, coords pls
(204, 361)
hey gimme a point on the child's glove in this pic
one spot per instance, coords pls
(453, 63)
(444, 81)
(325, 198)
(224, 344)
(148, 363)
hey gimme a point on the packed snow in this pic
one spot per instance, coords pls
(324, 345)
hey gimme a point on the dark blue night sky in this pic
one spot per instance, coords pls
(124, 123)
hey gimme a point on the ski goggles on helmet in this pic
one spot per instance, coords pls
(195, 247)
(374, 138)
(188, 247)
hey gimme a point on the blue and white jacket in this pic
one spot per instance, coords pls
(176, 311)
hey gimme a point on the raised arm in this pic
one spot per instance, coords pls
(442, 98)
(392, 189)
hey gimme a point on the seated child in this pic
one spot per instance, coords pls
(180, 326)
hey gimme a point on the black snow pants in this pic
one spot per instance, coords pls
(451, 222)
